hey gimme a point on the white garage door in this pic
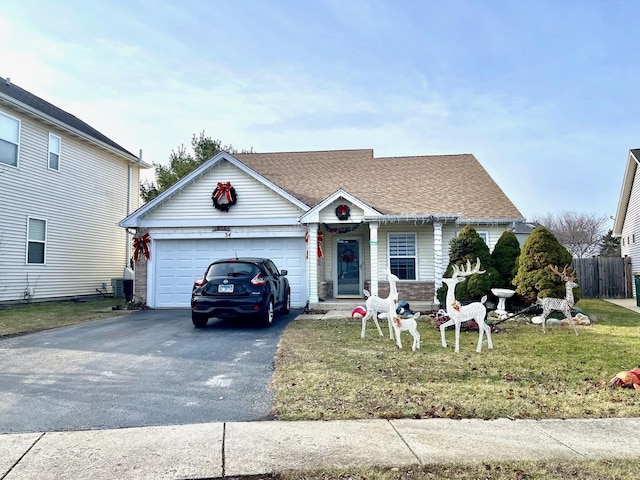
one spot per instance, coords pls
(178, 263)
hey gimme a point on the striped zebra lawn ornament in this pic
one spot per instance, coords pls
(563, 305)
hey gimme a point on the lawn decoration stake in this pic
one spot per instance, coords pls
(459, 314)
(387, 306)
(563, 305)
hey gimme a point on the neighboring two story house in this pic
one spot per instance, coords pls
(335, 220)
(64, 187)
(626, 225)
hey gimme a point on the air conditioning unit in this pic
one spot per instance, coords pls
(117, 284)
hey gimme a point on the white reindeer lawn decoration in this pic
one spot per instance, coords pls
(387, 306)
(462, 313)
(409, 324)
(563, 305)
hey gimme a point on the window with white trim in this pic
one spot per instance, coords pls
(9, 139)
(402, 255)
(484, 236)
(54, 151)
(36, 240)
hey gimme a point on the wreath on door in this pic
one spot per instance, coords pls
(348, 256)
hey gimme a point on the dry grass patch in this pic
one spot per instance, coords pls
(323, 370)
(521, 470)
(20, 319)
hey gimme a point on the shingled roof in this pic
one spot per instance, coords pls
(20, 95)
(422, 185)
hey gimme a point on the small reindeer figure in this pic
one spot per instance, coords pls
(409, 324)
(563, 305)
(387, 306)
(461, 313)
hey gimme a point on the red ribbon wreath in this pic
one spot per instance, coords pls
(141, 245)
(226, 193)
(223, 189)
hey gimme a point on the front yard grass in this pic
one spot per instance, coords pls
(32, 317)
(323, 370)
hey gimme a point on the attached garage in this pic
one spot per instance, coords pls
(177, 263)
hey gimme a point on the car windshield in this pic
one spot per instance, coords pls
(235, 269)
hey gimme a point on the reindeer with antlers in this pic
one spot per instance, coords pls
(563, 305)
(459, 314)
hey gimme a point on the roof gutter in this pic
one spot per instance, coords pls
(34, 111)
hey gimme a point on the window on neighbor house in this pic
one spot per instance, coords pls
(36, 240)
(402, 255)
(54, 152)
(484, 236)
(9, 139)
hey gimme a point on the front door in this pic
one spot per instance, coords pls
(348, 268)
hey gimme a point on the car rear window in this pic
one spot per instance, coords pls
(235, 269)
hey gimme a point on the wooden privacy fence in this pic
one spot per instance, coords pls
(604, 277)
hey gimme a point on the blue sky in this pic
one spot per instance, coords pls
(544, 93)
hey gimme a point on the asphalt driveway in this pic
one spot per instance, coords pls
(147, 368)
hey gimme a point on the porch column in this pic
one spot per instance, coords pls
(373, 253)
(437, 258)
(312, 263)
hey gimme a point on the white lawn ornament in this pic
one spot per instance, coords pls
(563, 305)
(409, 324)
(459, 314)
(376, 305)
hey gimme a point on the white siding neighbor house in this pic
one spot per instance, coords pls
(335, 220)
(626, 225)
(64, 186)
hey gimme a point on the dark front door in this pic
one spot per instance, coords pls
(348, 268)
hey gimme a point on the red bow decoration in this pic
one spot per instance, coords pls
(320, 239)
(223, 189)
(141, 245)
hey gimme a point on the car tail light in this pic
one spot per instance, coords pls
(257, 280)
(199, 283)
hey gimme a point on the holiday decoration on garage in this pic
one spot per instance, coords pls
(224, 196)
(141, 246)
(320, 240)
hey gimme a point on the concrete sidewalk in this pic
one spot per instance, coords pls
(231, 449)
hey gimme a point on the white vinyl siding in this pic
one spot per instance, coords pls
(54, 151)
(82, 203)
(36, 240)
(193, 203)
(9, 140)
(631, 228)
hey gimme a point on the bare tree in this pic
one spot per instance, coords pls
(580, 233)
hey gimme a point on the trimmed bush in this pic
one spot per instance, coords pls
(534, 277)
(505, 256)
(469, 246)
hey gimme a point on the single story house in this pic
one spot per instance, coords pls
(335, 220)
(65, 186)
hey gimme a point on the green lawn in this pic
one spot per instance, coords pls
(32, 317)
(323, 370)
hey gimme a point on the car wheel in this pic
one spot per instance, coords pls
(287, 303)
(199, 320)
(267, 316)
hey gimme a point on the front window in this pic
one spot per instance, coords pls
(36, 240)
(9, 140)
(402, 255)
(54, 152)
